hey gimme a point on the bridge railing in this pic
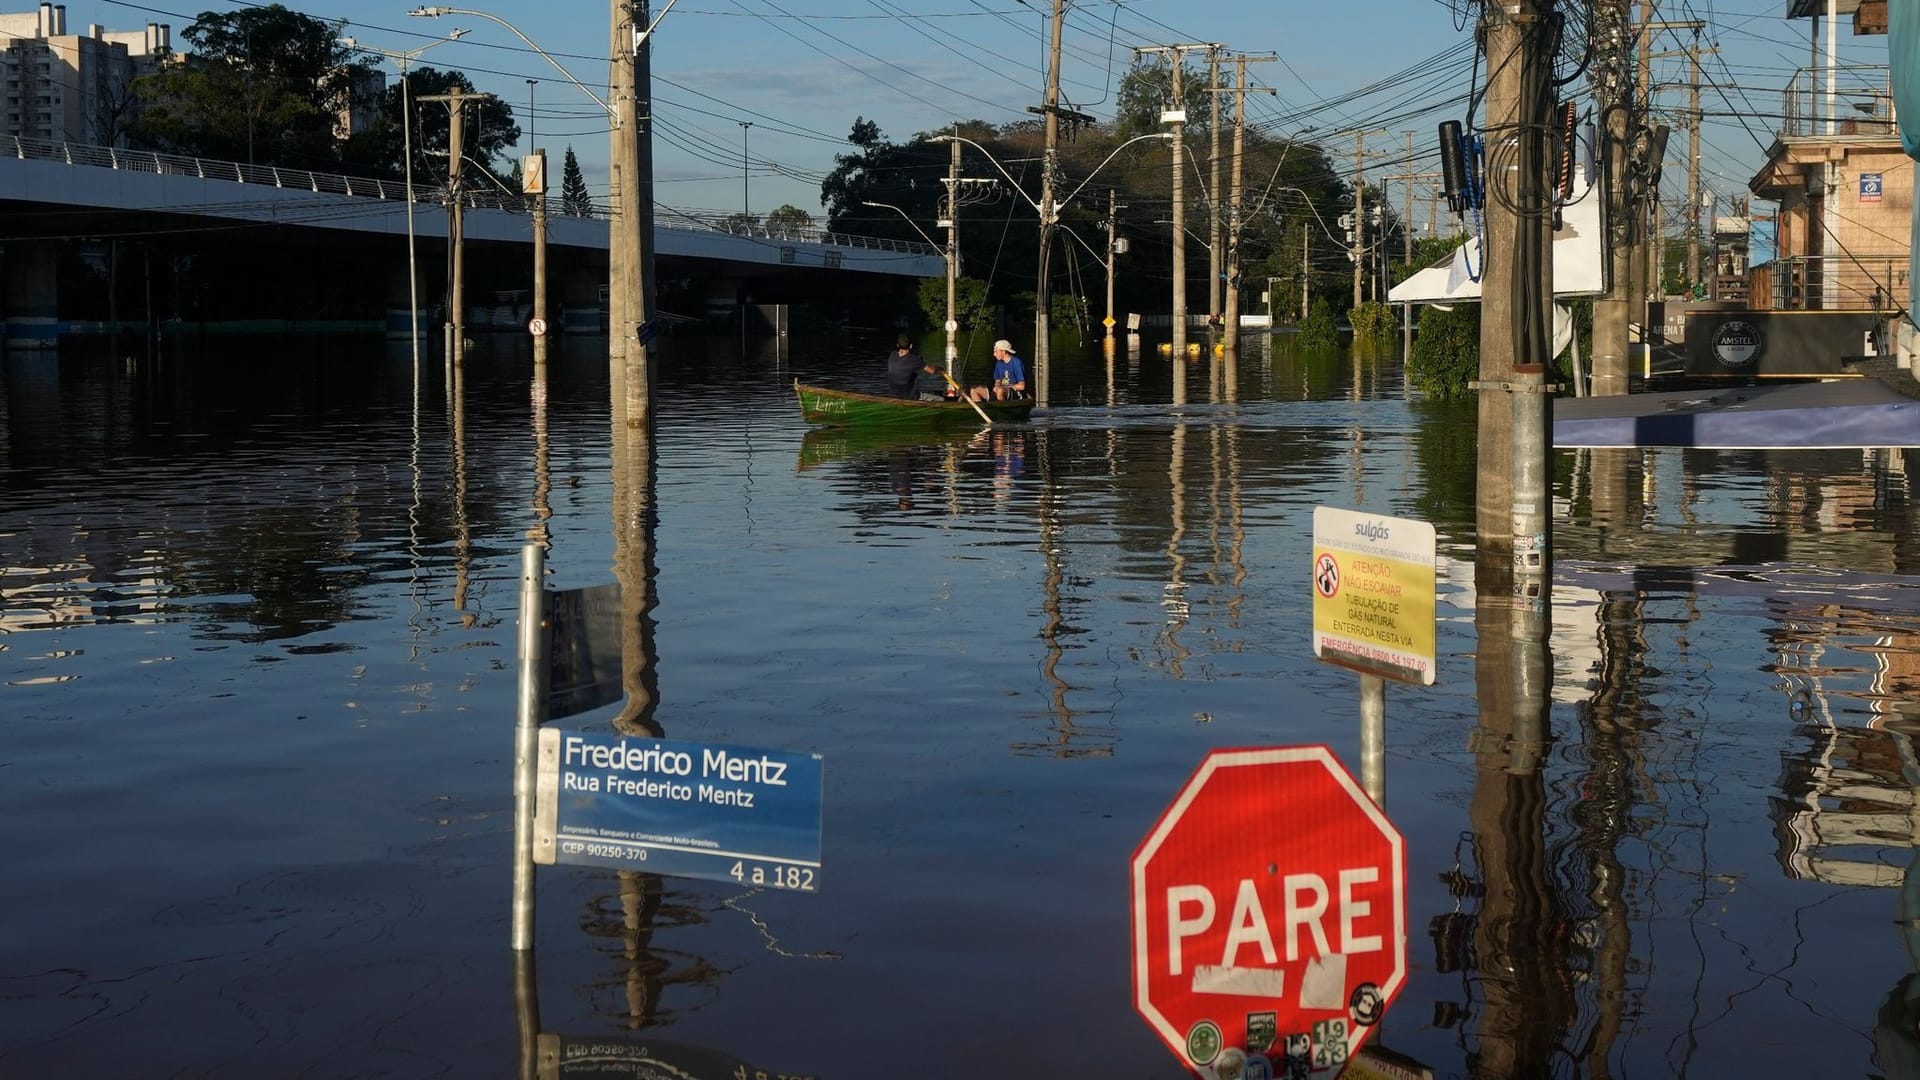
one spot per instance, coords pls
(108, 157)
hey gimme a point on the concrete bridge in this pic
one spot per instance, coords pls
(93, 221)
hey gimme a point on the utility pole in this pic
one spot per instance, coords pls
(1213, 182)
(629, 167)
(953, 253)
(1179, 108)
(1612, 87)
(1232, 331)
(1113, 222)
(1517, 294)
(1042, 315)
(456, 206)
(1693, 166)
(534, 175)
(1306, 269)
(1406, 232)
(1359, 213)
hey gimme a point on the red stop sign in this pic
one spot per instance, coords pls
(1269, 912)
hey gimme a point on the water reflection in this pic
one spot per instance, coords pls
(1681, 827)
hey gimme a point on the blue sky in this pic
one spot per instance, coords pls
(801, 70)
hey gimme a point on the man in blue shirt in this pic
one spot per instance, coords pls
(1009, 375)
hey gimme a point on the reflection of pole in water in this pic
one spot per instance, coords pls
(1606, 807)
(542, 477)
(1519, 953)
(413, 528)
(1237, 530)
(1054, 557)
(1174, 596)
(526, 1012)
(634, 517)
(463, 529)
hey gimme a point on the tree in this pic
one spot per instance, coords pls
(263, 84)
(788, 220)
(1147, 90)
(971, 308)
(490, 129)
(574, 199)
(881, 171)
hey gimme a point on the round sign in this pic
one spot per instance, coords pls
(1269, 901)
(952, 326)
(537, 327)
(1736, 343)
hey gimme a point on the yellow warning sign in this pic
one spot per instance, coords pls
(1373, 594)
(1108, 322)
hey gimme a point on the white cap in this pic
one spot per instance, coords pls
(1003, 345)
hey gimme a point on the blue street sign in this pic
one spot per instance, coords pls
(687, 809)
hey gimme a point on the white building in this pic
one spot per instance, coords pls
(70, 87)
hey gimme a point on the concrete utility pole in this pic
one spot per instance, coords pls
(1179, 107)
(1043, 299)
(1214, 253)
(456, 207)
(1693, 165)
(1113, 222)
(1306, 269)
(1655, 235)
(1359, 252)
(1612, 40)
(535, 173)
(1232, 313)
(1517, 290)
(629, 168)
(953, 253)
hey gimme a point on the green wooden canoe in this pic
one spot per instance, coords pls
(844, 408)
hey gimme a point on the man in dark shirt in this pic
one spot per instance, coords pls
(904, 366)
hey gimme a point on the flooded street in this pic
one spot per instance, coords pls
(258, 676)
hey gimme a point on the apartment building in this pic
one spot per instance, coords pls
(72, 87)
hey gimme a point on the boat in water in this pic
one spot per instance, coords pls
(845, 408)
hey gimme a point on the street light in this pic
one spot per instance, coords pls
(953, 266)
(402, 60)
(435, 12)
(1048, 215)
(746, 204)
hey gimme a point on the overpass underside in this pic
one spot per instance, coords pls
(78, 271)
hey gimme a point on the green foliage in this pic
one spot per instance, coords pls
(1148, 89)
(1446, 350)
(490, 129)
(1374, 321)
(262, 84)
(1066, 309)
(788, 218)
(574, 197)
(972, 309)
(1318, 330)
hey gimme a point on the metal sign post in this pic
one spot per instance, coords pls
(526, 734)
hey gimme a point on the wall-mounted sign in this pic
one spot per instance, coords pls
(1871, 186)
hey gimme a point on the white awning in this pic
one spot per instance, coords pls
(1579, 262)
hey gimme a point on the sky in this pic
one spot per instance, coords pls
(801, 71)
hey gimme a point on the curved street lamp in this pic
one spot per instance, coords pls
(435, 12)
(953, 267)
(402, 60)
(1048, 215)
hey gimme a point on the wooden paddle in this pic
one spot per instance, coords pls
(968, 398)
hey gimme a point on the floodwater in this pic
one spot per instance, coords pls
(258, 678)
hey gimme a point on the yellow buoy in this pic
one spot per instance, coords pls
(1166, 348)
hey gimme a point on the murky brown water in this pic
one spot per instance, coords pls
(257, 688)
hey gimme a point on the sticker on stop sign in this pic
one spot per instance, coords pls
(1269, 915)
